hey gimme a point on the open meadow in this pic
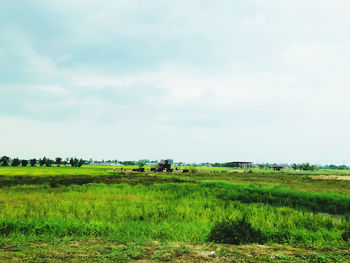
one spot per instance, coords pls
(96, 213)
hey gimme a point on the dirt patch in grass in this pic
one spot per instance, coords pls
(331, 177)
(104, 251)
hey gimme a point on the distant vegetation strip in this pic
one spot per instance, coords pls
(281, 196)
(60, 180)
(6, 161)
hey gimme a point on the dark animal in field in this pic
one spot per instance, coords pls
(153, 169)
(185, 170)
(163, 165)
(277, 168)
(141, 170)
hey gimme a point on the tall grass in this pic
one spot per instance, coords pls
(105, 174)
(168, 212)
(279, 196)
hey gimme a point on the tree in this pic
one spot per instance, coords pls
(141, 163)
(15, 162)
(312, 168)
(24, 163)
(72, 161)
(58, 161)
(42, 161)
(32, 162)
(80, 163)
(304, 167)
(5, 161)
(48, 162)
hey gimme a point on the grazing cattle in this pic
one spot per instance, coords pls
(153, 169)
(185, 170)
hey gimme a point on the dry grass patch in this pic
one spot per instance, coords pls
(104, 251)
(331, 177)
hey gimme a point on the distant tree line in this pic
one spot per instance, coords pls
(304, 167)
(335, 167)
(108, 161)
(125, 162)
(219, 165)
(73, 162)
(128, 162)
(265, 165)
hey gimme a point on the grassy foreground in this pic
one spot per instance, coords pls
(107, 251)
(123, 216)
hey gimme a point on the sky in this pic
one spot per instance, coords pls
(194, 81)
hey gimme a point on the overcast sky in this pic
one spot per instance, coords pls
(250, 80)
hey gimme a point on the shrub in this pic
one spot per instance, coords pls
(346, 235)
(2, 243)
(236, 232)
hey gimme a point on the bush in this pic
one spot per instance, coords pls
(346, 235)
(2, 243)
(236, 232)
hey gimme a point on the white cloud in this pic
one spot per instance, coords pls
(258, 80)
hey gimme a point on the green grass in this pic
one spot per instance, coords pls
(168, 212)
(60, 204)
(279, 196)
(53, 171)
(299, 180)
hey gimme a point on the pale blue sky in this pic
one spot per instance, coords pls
(266, 81)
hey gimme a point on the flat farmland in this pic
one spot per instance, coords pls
(104, 213)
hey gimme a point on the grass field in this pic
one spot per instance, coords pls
(93, 213)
